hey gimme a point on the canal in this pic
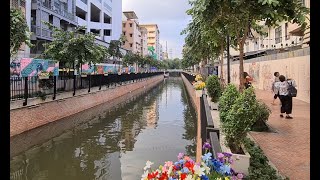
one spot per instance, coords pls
(155, 126)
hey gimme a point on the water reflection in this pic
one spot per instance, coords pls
(116, 144)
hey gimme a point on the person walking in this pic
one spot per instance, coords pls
(248, 80)
(286, 100)
(273, 89)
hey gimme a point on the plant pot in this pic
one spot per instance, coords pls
(241, 162)
(119, 73)
(84, 75)
(43, 77)
(105, 74)
(214, 105)
(198, 93)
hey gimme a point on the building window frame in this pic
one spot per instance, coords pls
(131, 34)
(287, 37)
(130, 24)
(123, 25)
(278, 35)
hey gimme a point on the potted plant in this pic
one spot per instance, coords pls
(44, 75)
(199, 86)
(226, 100)
(241, 116)
(214, 90)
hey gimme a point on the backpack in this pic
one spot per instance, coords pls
(292, 91)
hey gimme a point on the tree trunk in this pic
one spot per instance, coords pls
(221, 64)
(241, 85)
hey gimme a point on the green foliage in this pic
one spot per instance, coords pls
(259, 168)
(172, 63)
(213, 88)
(19, 31)
(226, 100)
(114, 48)
(74, 48)
(240, 118)
(263, 113)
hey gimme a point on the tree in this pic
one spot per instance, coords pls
(240, 18)
(19, 31)
(73, 48)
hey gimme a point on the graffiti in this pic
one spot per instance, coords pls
(104, 69)
(28, 67)
(267, 77)
(151, 52)
(234, 75)
(254, 70)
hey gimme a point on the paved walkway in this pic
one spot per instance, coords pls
(289, 148)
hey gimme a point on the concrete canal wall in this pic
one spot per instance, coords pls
(196, 103)
(27, 118)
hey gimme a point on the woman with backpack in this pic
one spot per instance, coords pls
(286, 93)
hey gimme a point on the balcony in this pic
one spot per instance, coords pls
(45, 4)
(82, 22)
(41, 32)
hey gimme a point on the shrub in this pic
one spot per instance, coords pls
(226, 100)
(259, 166)
(240, 118)
(263, 113)
(213, 88)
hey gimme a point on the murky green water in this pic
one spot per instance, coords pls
(156, 126)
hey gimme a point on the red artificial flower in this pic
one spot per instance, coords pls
(152, 175)
(183, 176)
(189, 165)
(164, 176)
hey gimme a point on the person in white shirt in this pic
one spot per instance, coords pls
(273, 89)
(286, 100)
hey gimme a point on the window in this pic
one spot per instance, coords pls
(130, 24)
(124, 25)
(130, 44)
(124, 33)
(286, 31)
(278, 33)
(130, 34)
(107, 32)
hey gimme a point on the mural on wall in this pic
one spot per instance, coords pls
(267, 77)
(234, 75)
(104, 69)
(151, 52)
(254, 71)
(28, 67)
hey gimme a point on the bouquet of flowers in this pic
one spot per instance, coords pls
(187, 169)
(199, 85)
(198, 77)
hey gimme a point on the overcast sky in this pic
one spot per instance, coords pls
(170, 15)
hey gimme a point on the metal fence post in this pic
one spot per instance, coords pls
(54, 87)
(74, 85)
(89, 83)
(100, 81)
(25, 91)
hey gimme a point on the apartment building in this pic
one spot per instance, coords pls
(285, 36)
(153, 38)
(144, 41)
(60, 13)
(131, 29)
(102, 17)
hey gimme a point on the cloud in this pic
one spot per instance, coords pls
(170, 15)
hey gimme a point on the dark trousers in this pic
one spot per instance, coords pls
(286, 104)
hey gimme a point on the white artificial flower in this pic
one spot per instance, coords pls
(189, 177)
(198, 170)
(148, 165)
(206, 168)
(144, 175)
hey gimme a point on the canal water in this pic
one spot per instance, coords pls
(155, 126)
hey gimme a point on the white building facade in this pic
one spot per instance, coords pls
(102, 17)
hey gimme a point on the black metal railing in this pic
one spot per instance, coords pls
(190, 77)
(30, 87)
(209, 133)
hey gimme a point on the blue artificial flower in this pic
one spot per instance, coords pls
(204, 177)
(171, 178)
(225, 169)
(206, 156)
(181, 161)
(185, 170)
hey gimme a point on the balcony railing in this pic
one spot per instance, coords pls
(84, 1)
(47, 33)
(57, 10)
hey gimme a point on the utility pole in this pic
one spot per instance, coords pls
(228, 57)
